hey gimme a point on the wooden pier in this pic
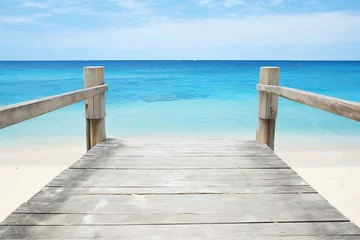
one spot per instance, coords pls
(177, 189)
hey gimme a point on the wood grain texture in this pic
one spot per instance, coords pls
(94, 162)
(16, 113)
(268, 104)
(207, 189)
(337, 106)
(53, 192)
(268, 107)
(194, 231)
(95, 107)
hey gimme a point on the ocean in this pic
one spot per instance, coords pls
(179, 98)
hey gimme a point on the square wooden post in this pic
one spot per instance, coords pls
(268, 106)
(95, 109)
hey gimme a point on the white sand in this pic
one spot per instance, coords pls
(25, 170)
(332, 168)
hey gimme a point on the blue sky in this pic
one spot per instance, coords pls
(179, 29)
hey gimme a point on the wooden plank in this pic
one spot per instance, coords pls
(180, 163)
(128, 152)
(337, 106)
(229, 237)
(132, 154)
(16, 113)
(177, 175)
(262, 215)
(51, 192)
(177, 199)
(176, 209)
(202, 231)
(177, 178)
(187, 143)
(184, 159)
(113, 148)
(107, 183)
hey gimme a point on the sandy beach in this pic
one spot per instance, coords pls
(332, 168)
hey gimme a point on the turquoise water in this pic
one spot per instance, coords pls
(196, 98)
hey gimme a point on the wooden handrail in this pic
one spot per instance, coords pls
(268, 104)
(16, 113)
(95, 109)
(337, 106)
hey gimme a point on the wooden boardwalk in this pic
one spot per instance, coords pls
(213, 189)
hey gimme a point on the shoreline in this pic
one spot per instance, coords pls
(330, 166)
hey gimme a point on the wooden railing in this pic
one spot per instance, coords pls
(93, 94)
(268, 104)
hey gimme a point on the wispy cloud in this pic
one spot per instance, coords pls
(234, 3)
(133, 8)
(16, 19)
(130, 3)
(276, 2)
(277, 30)
(206, 3)
(39, 4)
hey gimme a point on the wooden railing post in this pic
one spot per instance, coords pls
(94, 107)
(268, 105)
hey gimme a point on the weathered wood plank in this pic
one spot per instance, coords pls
(110, 143)
(16, 113)
(176, 209)
(129, 151)
(177, 178)
(123, 150)
(178, 199)
(203, 231)
(97, 162)
(263, 215)
(51, 192)
(337, 106)
(107, 183)
(177, 175)
(354, 237)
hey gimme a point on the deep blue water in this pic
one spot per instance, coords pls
(212, 98)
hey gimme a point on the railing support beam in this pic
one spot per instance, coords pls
(95, 110)
(268, 106)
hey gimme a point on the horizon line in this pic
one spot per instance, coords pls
(249, 60)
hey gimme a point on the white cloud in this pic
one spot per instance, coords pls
(232, 3)
(206, 3)
(271, 36)
(129, 3)
(264, 30)
(132, 9)
(30, 4)
(16, 19)
(42, 15)
(276, 2)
